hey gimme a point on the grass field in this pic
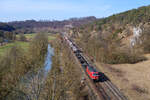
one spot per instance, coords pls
(51, 37)
(132, 79)
(30, 36)
(24, 45)
(6, 47)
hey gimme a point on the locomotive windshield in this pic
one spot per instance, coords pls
(95, 74)
(92, 69)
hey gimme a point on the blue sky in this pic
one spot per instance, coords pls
(11, 10)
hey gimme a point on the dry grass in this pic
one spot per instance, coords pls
(132, 79)
(139, 89)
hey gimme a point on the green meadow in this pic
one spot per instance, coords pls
(24, 45)
(5, 48)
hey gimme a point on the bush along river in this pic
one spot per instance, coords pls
(31, 85)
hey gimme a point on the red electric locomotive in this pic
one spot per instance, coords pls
(93, 74)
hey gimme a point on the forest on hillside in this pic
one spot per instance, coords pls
(104, 39)
(16, 62)
(10, 29)
(32, 26)
(6, 33)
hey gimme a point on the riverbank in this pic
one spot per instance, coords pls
(17, 62)
(32, 84)
(64, 78)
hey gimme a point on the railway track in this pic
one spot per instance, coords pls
(105, 89)
(108, 86)
(103, 92)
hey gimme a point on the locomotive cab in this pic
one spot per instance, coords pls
(93, 73)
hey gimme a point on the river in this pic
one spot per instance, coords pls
(48, 60)
(31, 84)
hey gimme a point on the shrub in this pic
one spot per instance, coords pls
(120, 57)
(139, 89)
(22, 37)
(107, 50)
(145, 38)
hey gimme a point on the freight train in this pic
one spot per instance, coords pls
(90, 70)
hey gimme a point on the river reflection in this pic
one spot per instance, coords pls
(33, 83)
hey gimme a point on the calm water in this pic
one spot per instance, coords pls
(46, 68)
(48, 60)
(32, 83)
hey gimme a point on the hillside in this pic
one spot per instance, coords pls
(116, 36)
(120, 46)
(6, 32)
(118, 22)
(6, 27)
(133, 17)
(30, 26)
